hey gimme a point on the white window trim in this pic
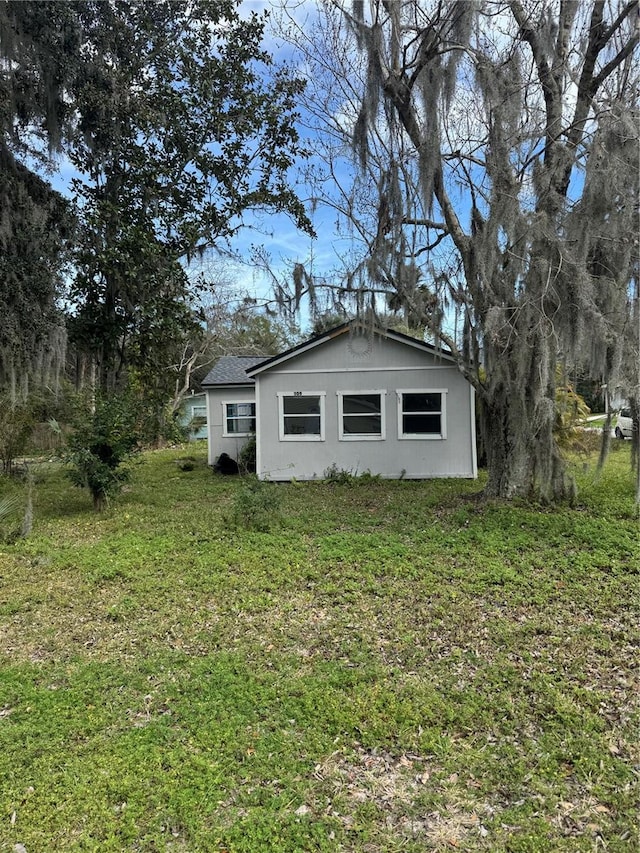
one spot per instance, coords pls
(423, 436)
(361, 436)
(281, 395)
(226, 403)
(195, 410)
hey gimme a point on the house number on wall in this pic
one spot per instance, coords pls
(297, 393)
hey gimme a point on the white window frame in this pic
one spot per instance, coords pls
(195, 412)
(364, 436)
(423, 436)
(309, 437)
(226, 403)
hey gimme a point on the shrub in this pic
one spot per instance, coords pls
(571, 413)
(186, 463)
(340, 477)
(102, 443)
(256, 505)
(247, 457)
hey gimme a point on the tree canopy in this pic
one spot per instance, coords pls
(495, 191)
(175, 123)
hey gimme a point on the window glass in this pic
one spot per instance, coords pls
(361, 414)
(301, 415)
(241, 418)
(421, 402)
(422, 413)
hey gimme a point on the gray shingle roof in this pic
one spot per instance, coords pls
(230, 370)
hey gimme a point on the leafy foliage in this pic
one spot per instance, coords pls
(175, 122)
(35, 225)
(341, 477)
(104, 438)
(256, 505)
(247, 456)
(180, 137)
(8, 505)
(571, 413)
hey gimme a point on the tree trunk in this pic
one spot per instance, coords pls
(517, 417)
(99, 501)
(522, 463)
(605, 443)
(509, 460)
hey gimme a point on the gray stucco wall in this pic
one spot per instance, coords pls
(386, 367)
(218, 442)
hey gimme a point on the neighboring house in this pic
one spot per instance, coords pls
(194, 413)
(352, 398)
(231, 404)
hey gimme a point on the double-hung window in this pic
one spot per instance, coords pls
(301, 416)
(422, 414)
(361, 415)
(239, 418)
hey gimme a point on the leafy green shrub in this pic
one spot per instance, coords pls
(186, 463)
(247, 457)
(341, 477)
(256, 505)
(101, 445)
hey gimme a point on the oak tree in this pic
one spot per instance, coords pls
(495, 192)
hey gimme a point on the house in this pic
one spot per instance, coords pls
(231, 404)
(193, 414)
(353, 398)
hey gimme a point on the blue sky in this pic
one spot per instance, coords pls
(283, 242)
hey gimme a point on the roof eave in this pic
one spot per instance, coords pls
(250, 384)
(336, 332)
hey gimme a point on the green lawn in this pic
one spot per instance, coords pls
(392, 667)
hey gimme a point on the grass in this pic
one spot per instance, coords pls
(390, 667)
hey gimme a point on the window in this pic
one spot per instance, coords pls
(239, 418)
(422, 414)
(361, 415)
(198, 417)
(301, 416)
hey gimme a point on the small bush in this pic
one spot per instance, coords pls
(340, 477)
(187, 463)
(247, 457)
(103, 441)
(571, 413)
(256, 505)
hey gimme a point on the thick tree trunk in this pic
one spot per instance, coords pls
(99, 501)
(509, 461)
(517, 416)
(522, 462)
